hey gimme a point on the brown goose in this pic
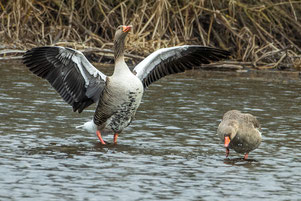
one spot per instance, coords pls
(117, 96)
(240, 132)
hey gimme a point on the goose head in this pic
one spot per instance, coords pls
(119, 40)
(230, 132)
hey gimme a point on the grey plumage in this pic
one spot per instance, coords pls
(243, 130)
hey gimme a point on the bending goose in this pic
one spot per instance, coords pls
(239, 131)
(117, 96)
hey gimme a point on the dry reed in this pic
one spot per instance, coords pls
(263, 34)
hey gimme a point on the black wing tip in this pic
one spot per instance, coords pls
(216, 54)
(40, 49)
(80, 106)
(37, 52)
(225, 53)
(32, 52)
(209, 49)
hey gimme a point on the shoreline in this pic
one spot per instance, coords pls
(243, 70)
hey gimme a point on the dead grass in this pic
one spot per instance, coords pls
(266, 34)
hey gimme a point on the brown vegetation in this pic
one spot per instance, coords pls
(262, 34)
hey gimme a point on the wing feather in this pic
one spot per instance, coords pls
(77, 81)
(173, 60)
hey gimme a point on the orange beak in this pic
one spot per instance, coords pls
(126, 28)
(227, 141)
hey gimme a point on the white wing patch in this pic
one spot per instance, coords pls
(82, 63)
(142, 69)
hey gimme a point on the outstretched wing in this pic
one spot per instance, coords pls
(175, 60)
(77, 81)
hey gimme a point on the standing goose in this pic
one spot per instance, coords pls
(239, 131)
(118, 96)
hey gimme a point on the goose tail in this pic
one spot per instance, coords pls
(89, 126)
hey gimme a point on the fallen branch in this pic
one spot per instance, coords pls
(10, 51)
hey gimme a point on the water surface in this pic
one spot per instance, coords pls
(171, 151)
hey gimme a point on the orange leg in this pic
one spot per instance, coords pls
(227, 152)
(99, 137)
(115, 138)
(246, 156)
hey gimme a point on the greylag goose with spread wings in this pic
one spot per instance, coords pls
(117, 96)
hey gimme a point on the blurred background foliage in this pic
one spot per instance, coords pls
(261, 32)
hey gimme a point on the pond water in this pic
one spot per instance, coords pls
(171, 151)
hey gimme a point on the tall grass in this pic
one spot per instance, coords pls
(263, 33)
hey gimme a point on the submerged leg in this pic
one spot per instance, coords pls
(226, 145)
(115, 138)
(246, 156)
(227, 152)
(99, 137)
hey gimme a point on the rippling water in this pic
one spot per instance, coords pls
(171, 150)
